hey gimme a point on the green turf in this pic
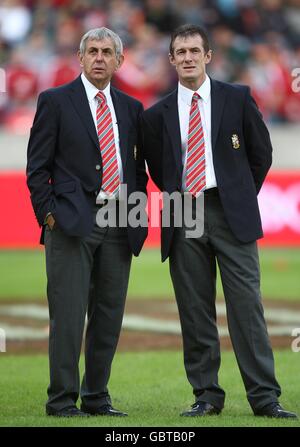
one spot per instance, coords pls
(22, 275)
(150, 386)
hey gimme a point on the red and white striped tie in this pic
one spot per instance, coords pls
(195, 162)
(110, 170)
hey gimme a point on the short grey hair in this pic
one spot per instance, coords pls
(100, 34)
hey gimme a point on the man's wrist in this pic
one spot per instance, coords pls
(46, 218)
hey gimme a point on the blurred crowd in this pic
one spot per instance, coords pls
(254, 42)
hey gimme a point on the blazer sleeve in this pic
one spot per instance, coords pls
(152, 145)
(141, 174)
(258, 143)
(40, 156)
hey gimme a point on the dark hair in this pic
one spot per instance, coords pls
(190, 30)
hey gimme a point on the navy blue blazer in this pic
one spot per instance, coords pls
(64, 167)
(240, 172)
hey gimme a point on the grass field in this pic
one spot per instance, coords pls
(151, 387)
(23, 275)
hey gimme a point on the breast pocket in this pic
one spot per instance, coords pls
(233, 142)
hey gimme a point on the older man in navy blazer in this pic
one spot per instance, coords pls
(84, 146)
(208, 138)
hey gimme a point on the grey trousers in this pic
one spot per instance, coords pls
(84, 275)
(193, 273)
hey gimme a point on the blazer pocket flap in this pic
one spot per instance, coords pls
(61, 188)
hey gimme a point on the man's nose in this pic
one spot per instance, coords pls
(188, 56)
(99, 55)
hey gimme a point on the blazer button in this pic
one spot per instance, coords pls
(98, 167)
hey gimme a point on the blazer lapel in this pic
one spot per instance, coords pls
(121, 110)
(218, 95)
(81, 104)
(171, 118)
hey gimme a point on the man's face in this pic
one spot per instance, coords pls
(99, 61)
(190, 59)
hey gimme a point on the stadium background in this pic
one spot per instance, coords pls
(255, 43)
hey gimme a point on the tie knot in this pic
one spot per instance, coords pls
(195, 97)
(101, 97)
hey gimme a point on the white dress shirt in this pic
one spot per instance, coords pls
(185, 96)
(91, 92)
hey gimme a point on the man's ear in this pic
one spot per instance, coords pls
(208, 56)
(80, 57)
(172, 60)
(120, 61)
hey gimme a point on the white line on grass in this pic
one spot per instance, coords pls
(286, 319)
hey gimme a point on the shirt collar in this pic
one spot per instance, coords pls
(186, 94)
(91, 90)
